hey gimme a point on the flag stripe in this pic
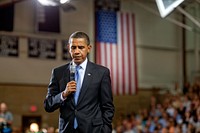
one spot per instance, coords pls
(134, 61)
(114, 79)
(129, 53)
(119, 76)
(98, 53)
(123, 61)
(131, 21)
(111, 62)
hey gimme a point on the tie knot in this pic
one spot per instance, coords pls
(78, 67)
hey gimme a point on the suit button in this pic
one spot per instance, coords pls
(75, 111)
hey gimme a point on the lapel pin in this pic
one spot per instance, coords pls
(89, 74)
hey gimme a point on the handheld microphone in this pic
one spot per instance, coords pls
(72, 71)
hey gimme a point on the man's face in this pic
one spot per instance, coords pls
(78, 50)
(3, 107)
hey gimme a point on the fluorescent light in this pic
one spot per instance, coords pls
(167, 6)
(48, 2)
(64, 1)
(53, 2)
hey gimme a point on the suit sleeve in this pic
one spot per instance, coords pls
(107, 105)
(53, 98)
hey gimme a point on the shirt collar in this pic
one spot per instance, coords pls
(84, 64)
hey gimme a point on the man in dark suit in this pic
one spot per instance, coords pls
(86, 104)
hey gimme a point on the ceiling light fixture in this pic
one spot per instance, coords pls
(167, 6)
(52, 2)
(64, 1)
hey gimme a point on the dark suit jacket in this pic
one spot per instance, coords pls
(94, 110)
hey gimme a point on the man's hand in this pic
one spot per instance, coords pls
(70, 88)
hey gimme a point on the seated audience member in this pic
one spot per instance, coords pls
(50, 130)
(6, 116)
(6, 119)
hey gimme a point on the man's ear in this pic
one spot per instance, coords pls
(89, 48)
(68, 47)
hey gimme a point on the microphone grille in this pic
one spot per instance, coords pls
(72, 67)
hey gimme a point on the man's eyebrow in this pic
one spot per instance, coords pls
(77, 46)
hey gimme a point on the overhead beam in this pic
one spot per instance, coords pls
(170, 19)
(189, 16)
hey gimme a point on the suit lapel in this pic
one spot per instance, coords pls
(66, 75)
(86, 81)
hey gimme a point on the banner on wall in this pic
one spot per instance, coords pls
(9, 46)
(65, 53)
(41, 48)
(7, 17)
(48, 18)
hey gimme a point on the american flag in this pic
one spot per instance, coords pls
(115, 49)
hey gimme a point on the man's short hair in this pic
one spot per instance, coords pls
(80, 34)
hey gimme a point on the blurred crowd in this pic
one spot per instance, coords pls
(177, 112)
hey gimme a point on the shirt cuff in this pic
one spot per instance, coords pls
(62, 98)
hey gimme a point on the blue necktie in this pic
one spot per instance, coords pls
(78, 88)
(78, 83)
